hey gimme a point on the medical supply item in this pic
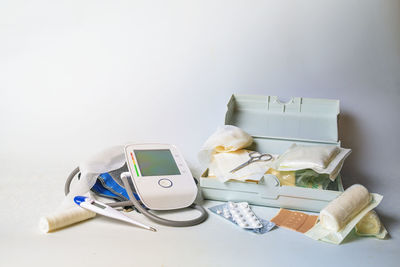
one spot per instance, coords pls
(227, 138)
(274, 127)
(303, 157)
(287, 178)
(160, 175)
(242, 215)
(222, 164)
(88, 172)
(105, 210)
(157, 172)
(370, 225)
(340, 217)
(254, 157)
(324, 159)
(109, 185)
(294, 220)
(311, 179)
(342, 209)
(64, 218)
(303, 178)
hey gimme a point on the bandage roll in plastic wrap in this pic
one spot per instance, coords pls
(345, 207)
(64, 218)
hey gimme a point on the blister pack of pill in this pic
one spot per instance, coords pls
(242, 215)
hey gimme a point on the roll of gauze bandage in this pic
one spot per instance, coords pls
(64, 218)
(340, 210)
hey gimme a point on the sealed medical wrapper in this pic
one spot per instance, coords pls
(341, 215)
(274, 127)
(323, 159)
(227, 138)
(370, 225)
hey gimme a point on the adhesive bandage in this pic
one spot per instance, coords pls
(294, 220)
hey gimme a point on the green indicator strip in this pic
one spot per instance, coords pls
(137, 173)
(134, 164)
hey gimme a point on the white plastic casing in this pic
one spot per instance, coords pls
(154, 191)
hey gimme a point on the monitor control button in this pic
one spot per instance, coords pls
(166, 183)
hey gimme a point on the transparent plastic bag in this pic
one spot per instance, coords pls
(302, 178)
(311, 179)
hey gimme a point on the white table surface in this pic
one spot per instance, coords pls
(216, 242)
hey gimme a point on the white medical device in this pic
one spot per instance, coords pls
(161, 176)
(105, 210)
(158, 179)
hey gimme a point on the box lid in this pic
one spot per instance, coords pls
(298, 120)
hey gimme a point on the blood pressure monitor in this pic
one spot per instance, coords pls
(161, 176)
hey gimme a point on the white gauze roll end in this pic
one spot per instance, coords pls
(64, 218)
(342, 209)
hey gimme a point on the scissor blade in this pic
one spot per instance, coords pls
(240, 166)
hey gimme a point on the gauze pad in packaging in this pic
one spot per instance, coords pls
(227, 138)
(320, 158)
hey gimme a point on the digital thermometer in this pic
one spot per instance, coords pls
(105, 210)
(161, 176)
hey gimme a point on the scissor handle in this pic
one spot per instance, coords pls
(257, 156)
(254, 154)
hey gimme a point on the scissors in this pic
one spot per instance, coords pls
(254, 157)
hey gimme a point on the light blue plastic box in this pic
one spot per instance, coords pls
(275, 126)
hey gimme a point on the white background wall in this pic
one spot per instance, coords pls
(78, 76)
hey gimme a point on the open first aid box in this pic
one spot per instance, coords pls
(275, 126)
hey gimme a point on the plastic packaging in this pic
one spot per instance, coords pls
(223, 210)
(302, 157)
(336, 217)
(303, 178)
(243, 215)
(370, 225)
(327, 159)
(311, 179)
(285, 177)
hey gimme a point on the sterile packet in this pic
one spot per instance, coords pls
(227, 138)
(318, 232)
(224, 211)
(311, 179)
(370, 225)
(302, 178)
(321, 158)
(287, 178)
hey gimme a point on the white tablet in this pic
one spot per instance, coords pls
(161, 176)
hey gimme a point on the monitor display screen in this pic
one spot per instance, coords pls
(156, 162)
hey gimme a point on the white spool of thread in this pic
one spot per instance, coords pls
(64, 218)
